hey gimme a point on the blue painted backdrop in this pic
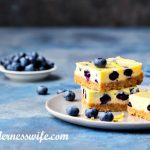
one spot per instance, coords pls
(23, 111)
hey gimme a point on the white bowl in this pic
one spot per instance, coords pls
(26, 75)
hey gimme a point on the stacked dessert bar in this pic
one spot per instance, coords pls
(107, 83)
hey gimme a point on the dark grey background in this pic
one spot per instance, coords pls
(74, 12)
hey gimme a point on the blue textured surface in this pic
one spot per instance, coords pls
(23, 111)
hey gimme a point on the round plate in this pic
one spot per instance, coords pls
(57, 107)
(26, 75)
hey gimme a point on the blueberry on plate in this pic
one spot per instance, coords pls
(50, 64)
(24, 61)
(34, 55)
(69, 95)
(6, 63)
(91, 112)
(16, 66)
(9, 67)
(100, 62)
(29, 67)
(16, 58)
(106, 116)
(61, 91)
(42, 90)
(22, 54)
(72, 111)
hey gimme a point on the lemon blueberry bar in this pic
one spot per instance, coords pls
(114, 100)
(139, 105)
(108, 74)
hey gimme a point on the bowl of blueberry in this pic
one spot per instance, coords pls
(26, 66)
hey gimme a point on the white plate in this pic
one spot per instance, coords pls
(26, 75)
(57, 107)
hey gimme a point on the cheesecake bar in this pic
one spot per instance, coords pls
(118, 73)
(114, 100)
(139, 105)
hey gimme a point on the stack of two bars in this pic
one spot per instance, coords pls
(107, 84)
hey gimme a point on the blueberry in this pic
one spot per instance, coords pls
(91, 112)
(24, 62)
(129, 104)
(22, 54)
(106, 116)
(42, 90)
(114, 75)
(87, 75)
(100, 62)
(72, 111)
(34, 55)
(41, 68)
(38, 63)
(122, 96)
(61, 91)
(9, 67)
(128, 72)
(148, 107)
(134, 90)
(50, 64)
(16, 66)
(69, 95)
(6, 63)
(105, 98)
(16, 58)
(29, 67)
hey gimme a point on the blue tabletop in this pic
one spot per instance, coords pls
(23, 111)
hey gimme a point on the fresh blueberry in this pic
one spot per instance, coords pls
(122, 96)
(31, 59)
(24, 62)
(100, 62)
(106, 116)
(91, 112)
(6, 63)
(38, 63)
(16, 59)
(34, 55)
(105, 99)
(50, 64)
(61, 91)
(87, 75)
(148, 107)
(72, 111)
(69, 95)
(129, 104)
(22, 54)
(114, 75)
(42, 90)
(29, 67)
(16, 66)
(9, 67)
(128, 72)
(3, 61)
(41, 68)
